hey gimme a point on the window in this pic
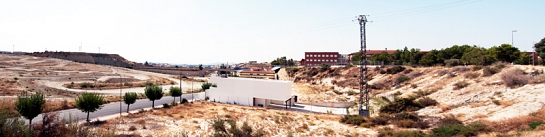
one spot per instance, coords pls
(335, 60)
(307, 55)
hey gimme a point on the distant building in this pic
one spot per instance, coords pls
(319, 58)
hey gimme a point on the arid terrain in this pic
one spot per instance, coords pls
(505, 98)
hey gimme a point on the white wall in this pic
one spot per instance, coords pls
(243, 90)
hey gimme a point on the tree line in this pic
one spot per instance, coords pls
(454, 55)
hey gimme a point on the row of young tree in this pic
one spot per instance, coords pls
(455, 55)
(30, 106)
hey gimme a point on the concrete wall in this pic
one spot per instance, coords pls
(244, 90)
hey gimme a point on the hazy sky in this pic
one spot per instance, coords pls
(208, 31)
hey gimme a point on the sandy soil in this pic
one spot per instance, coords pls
(195, 119)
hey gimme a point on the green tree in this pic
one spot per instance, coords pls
(89, 102)
(415, 56)
(396, 57)
(30, 106)
(540, 49)
(383, 56)
(324, 67)
(430, 58)
(477, 56)
(504, 52)
(524, 58)
(129, 98)
(175, 92)
(356, 58)
(153, 93)
(200, 67)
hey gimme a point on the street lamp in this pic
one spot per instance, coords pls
(512, 36)
(120, 94)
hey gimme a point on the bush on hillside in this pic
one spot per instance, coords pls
(489, 71)
(324, 67)
(395, 70)
(411, 133)
(514, 77)
(402, 79)
(426, 101)
(460, 84)
(476, 68)
(472, 129)
(353, 119)
(472, 75)
(400, 105)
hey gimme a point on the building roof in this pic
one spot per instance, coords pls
(322, 52)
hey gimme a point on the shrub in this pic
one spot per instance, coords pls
(405, 123)
(395, 70)
(426, 101)
(497, 102)
(514, 77)
(165, 105)
(86, 85)
(400, 105)
(128, 84)
(15, 78)
(535, 124)
(386, 132)
(452, 62)
(449, 120)
(489, 71)
(471, 75)
(414, 86)
(407, 71)
(353, 119)
(409, 134)
(184, 101)
(132, 128)
(476, 68)
(460, 85)
(472, 129)
(381, 119)
(324, 67)
(402, 79)
(382, 71)
(206, 86)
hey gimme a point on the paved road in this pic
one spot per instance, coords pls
(113, 108)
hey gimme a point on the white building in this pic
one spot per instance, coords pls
(248, 91)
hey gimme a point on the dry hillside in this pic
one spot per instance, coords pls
(470, 92)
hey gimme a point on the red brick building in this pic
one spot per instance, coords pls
(319, 58)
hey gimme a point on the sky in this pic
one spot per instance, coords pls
(211, 31)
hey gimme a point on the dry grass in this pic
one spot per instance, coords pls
(516, 124)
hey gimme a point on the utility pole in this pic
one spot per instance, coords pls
(362, 19)
(99, 50)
